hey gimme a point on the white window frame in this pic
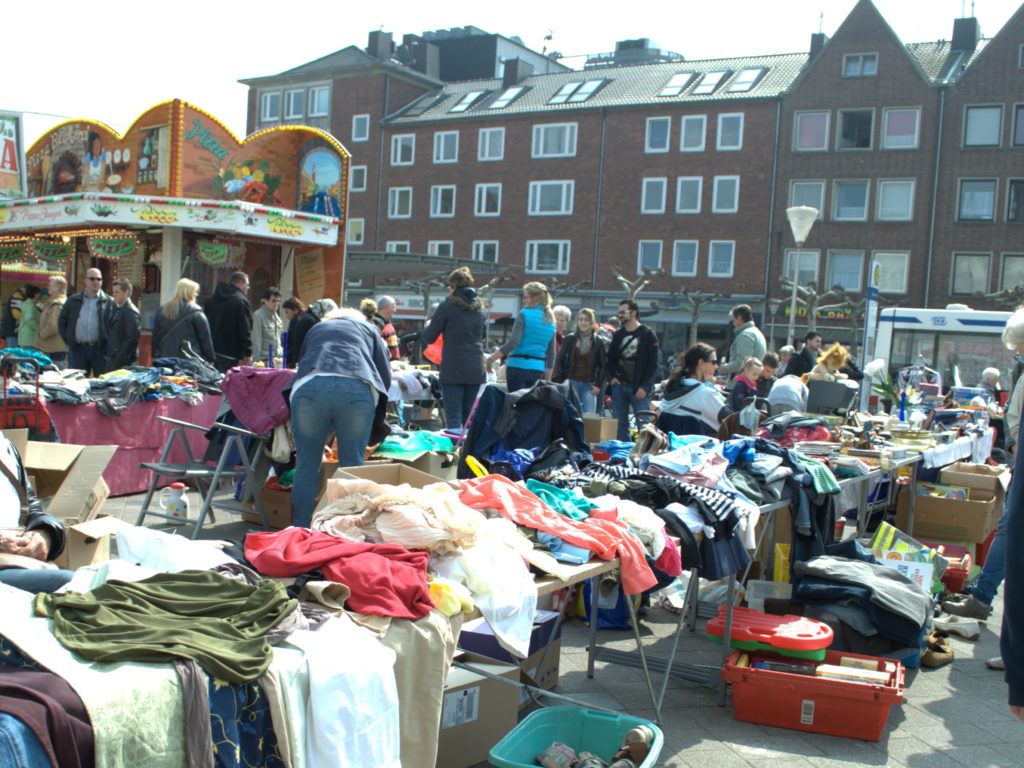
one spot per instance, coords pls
(986, 255)
(832, 253)
(839, 129)
(395, 195)
(480, 199)
(265, 116)
(881, 254)
(696, 258)
(569, 148)
(482, 142)
(535, 192)
(648, 147)
(835, 199)
(645, 185)
(564, 257)
(400, 140)
(716, 207)
(999, 128)
(289, 113)
(960, 200)
(640, 252)
(860, 59)
(718, 134)
(820, 203)
(397, 246)
(355, 226)
(351, 178)
(807, 255)
(441, 138)
(711, 258)
(311, 99)
(880, 194)
(437, 193)
(434, 248)
(360, 127)
(886, 112)
(478, 250)
(702, 120)
(798, 116)
(679, 196)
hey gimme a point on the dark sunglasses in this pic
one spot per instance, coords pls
(94, 278)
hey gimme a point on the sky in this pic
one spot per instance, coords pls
(110, 61)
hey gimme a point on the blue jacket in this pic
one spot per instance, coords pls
(1011, 640)
(347, 346)
(532, 351)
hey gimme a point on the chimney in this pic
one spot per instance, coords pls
(380, 45)
(423, 56)
(818, 40)
(516, 70)
(966, 34)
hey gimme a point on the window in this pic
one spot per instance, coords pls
(319, 101)
(691, 136)
(895, 200)
(676, 84)
(892, 268)
(844, 270)
(446, 147)
(658, 134)
(970, 273)
(507, 97)
(808, 265)
(440, 248)
(1015, 200)
(855, 126)
(721, 254)
(982, 126)
(709, 82)
(360, 127)
(490, 144)
(810, 131)
(547, 256)
(1018, 126)
(1020, 57)
(1013, 271)
(810, 193)
(400, 202)
(730, 132)
(466, 101)
(978, 200)
(403, 149)
(271, 107)
(688, 194)
(294, 104)
(355, 231)
(652, 197)
(551, 198)
(488, 200)
(746, 79)
(397, 246)
(554, 140)
(485, 250)
(648, 255)
(860, 65)
(900, 128)
(850, 201)
(442, 202)
(684, 258)
(574, 93)
(357, 179)
(725, 196)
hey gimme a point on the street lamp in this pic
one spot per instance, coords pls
(801, 219)
(773, 307)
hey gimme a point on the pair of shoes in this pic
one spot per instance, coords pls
(635, 746)
(938, 652)
(969, 629)
(971, 608)
(996, 663)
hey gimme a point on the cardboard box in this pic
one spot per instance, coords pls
(597, 429)
(977, 476)
(476, 713)
(72, 475)
(278, 506)
(441, 465)
(379, 472)
(88, 543)
(950, 519)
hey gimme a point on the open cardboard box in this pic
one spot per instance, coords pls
(951, 519)
(476, 713)
(384, 474)
(977, 476)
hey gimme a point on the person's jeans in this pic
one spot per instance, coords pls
(458, 402)
(35, 580)
(991, 576)
(584, 391)
(19, 747)
(520, 378)
(622, 400)
(341, 403)
(87, 357)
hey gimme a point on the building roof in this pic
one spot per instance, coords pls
(623, 86)
(940, 63)
(351, 57)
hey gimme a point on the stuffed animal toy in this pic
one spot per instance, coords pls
(829, 364)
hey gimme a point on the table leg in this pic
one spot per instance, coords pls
(592, 646)
(726, 639)
(643, 656)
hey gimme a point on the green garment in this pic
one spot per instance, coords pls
(413, 445)
(562, 501)
(220, 623)
(824, 480)
(29, 324)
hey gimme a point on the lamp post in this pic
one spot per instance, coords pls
(801, 219)
(773, 307)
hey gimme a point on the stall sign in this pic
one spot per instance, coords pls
(215, 254)
(11, 253)
(113, 248)
(309, 275)
(49, 251)
(12, 156)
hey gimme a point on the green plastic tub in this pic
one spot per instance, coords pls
(585, 730)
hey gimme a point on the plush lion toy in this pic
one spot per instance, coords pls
(829, 364)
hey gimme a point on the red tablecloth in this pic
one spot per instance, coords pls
(139, 435)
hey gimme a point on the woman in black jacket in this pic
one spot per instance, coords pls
(460, 320)
(181, 320)
(581, 360)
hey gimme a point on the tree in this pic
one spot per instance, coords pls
(809, 297)
(1011, 298)
(493, 283)
(633, 287)
(556, 287)
(694, 301)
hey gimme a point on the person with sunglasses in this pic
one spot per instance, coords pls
(83, 325)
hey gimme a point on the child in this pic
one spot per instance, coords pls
(746, 382)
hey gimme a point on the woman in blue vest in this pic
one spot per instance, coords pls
(531, 349)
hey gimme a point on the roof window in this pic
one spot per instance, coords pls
(676, 84)
(467, 101)
(709, 82)
(576, 92)
(746, 79)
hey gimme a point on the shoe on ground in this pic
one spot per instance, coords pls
(971, 608)
(969, 629)
(996, 663)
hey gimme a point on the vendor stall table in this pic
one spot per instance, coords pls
(137, 432)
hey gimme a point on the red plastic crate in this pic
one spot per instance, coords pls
(959, 564)
(815, 704)
(981, 550)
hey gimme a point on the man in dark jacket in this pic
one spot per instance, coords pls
(83, 325)
(803, 363)
(632, 365)
(123, 327)
(230, 316)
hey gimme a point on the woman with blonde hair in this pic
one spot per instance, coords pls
(181, 320)
(531, 348)
(581, 360)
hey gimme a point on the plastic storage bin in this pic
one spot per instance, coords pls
(582, 729)
(758, 590)
(788, 635)
(815, 704)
